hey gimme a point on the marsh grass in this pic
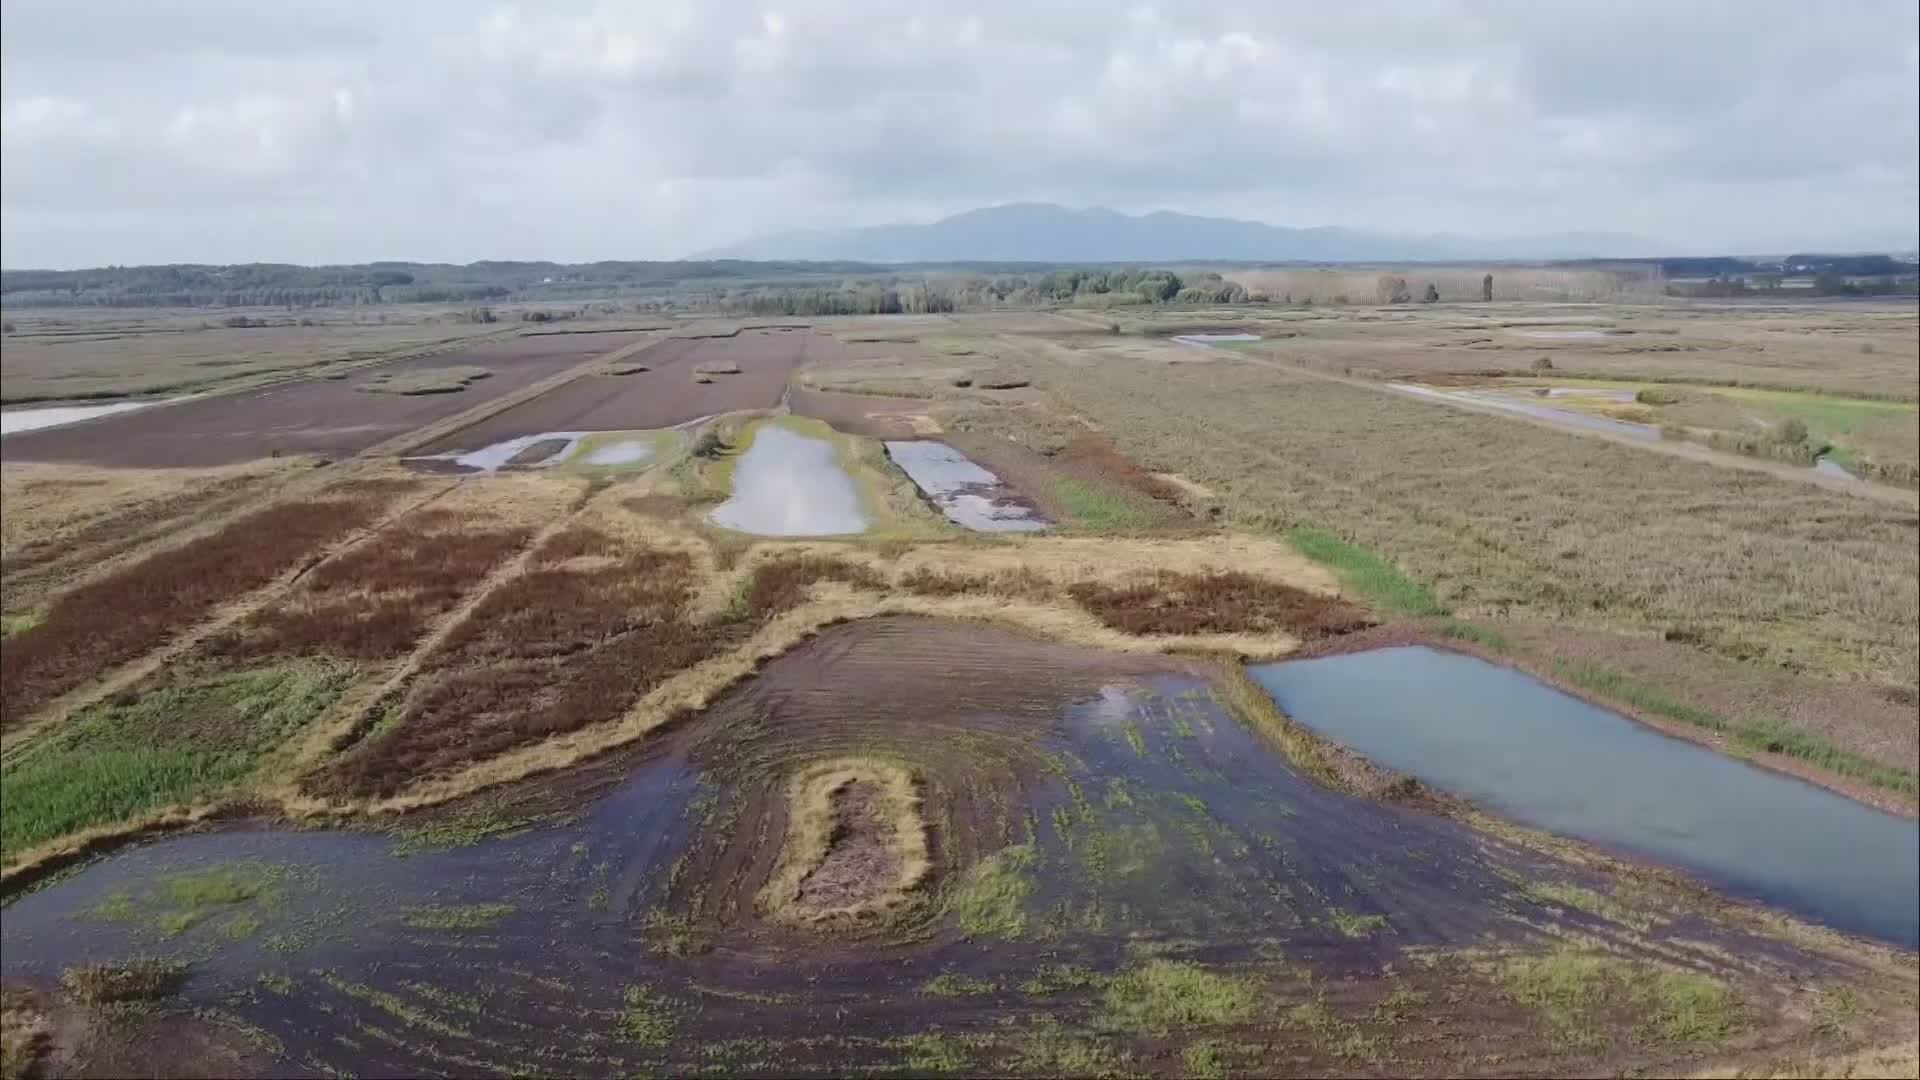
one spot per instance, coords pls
(1366, 573)
(1163, 996)
(990, 901)
(1759, 736)
(646, 1018)
(443, 380)
(163, 747)
(455, 916)
(1485, 514)
(1230, 602)
(101, 625)
(952, 985)
(1584, 996)
(129, 980)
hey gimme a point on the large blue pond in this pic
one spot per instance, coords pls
(1526, 751)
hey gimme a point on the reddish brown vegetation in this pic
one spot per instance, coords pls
(552, 651)
(576, 541)
(109, 622)
(1021, 583)
(125, 530)
(781, 585)
(1219, 603)
(655, 505)
(377, 600)
(1093, 454)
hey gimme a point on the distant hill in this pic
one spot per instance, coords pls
(1043, 232)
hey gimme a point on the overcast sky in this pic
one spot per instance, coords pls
(345, 131)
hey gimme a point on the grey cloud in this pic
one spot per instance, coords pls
(440, 129)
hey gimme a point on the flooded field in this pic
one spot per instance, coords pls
(14, 421)
(1214, 339)
(321, 416)
(968, 494)
(537, 449)
(619, 452)
(1524, 750)
(672, 390)
(788, 484)
(1119, 870)
(590, 450)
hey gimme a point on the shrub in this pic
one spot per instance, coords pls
(1543, 364)
(1657, 395)
(1790, 431)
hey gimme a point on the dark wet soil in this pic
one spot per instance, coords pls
(323, 417)
(1087, 814)
(862, 860)
(870, 415)
(662, 396)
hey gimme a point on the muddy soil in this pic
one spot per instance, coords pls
(861, 860)
(324, 417)
(870, 415)
(663, 396)
(1090, 816)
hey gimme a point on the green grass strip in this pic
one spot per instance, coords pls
(1761, 736)
(1366, 573)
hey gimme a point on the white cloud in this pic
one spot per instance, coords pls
(576, 129)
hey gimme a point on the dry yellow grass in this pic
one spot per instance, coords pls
(812, 819)
(50, 504)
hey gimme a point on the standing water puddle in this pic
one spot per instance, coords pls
(18, 420)
(624, 452)
(1826, 466)
(501, 454)
(1563, 335)
(788, 484)
(968, 494)
(1523, 749)
(1213, 339)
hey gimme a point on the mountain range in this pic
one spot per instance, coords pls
(1044, 232)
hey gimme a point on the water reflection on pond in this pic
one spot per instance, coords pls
(788, 484)
(1526, 750)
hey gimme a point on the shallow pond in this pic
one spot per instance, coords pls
(1213, 339)
(788, 484)
(1826, 466)
(968, 494)
(1564, 335)
(621, 452)
(17, 420)
(1523, 749)
(499, 455)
